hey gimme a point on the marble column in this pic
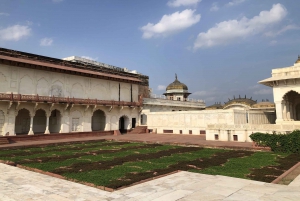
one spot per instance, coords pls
(279, 111)
(288, 113)
(292, 112)
(61, 124)
(31, 125)
(284, 111)
(47, 125)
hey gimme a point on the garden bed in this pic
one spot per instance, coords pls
(112, 165)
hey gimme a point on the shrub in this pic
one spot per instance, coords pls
(289, 143)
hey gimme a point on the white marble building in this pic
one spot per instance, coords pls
(286, 91)
(240, 117)
(46, 95)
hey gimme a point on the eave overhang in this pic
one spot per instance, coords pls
(26, 63)
(270, 82)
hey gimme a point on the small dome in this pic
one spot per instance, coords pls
(176, 85)
(240, 100)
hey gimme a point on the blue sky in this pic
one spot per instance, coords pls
(219, 49)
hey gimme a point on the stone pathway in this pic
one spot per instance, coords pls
(22, 185)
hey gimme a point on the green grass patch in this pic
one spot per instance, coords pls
(241, 167)
(115, 164)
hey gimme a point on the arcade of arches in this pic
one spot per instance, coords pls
(27, 122)
(39, 123)
(290, 107)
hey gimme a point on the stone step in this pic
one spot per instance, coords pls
(4, 140)
(139, 130)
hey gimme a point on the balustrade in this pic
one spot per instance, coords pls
(53, 99)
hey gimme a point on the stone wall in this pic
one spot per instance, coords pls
(241, 133)
(192, 122)
(29, 81)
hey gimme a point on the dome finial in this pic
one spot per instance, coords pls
(176, 76)
(298, 60)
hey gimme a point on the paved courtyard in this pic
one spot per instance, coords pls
(19, 184)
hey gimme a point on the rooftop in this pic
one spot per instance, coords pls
(33, 61)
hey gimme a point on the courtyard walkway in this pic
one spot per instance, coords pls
(147, 137)
(22, 185)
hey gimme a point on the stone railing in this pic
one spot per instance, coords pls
(166, 102)
(259, 127)
(53, 99)
(187, 100)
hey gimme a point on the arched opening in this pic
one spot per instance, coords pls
(22, 124)
(2, 118)
(298, 112)
(124, 124)
(98, 121)
(290, 106)
(39, 122)
(143, 119)
(55, 121)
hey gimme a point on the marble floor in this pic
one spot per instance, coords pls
(19, 184)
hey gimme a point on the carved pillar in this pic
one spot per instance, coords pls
(284, 111)
(61, 124)
(279, 111)
(31, 125)
(292, 112)
(288, 113)
(47, 125)
(107, 123)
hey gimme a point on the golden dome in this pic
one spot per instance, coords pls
(176, 85)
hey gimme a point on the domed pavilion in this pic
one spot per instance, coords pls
(177, 91)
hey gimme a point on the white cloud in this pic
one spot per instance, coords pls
(170, 24)
(4, 14)
(14, 33)
(178, 3)
(273, 42)
(235, 2)
(214, 7)
(202, 93)
(90, 58)
(282, 30)
(161, 87)
(232, 30)
(263, 91)
(29, 23)
(46, 42)
(255, 86)
(207, 96)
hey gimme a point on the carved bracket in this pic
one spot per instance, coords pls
(18, 105)
(86, 108)
(121, 108)
(94, 108)
(9, 106)
(140, 109)
(67, 105)
(111, 107)
(51, 107)
(36, 104)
